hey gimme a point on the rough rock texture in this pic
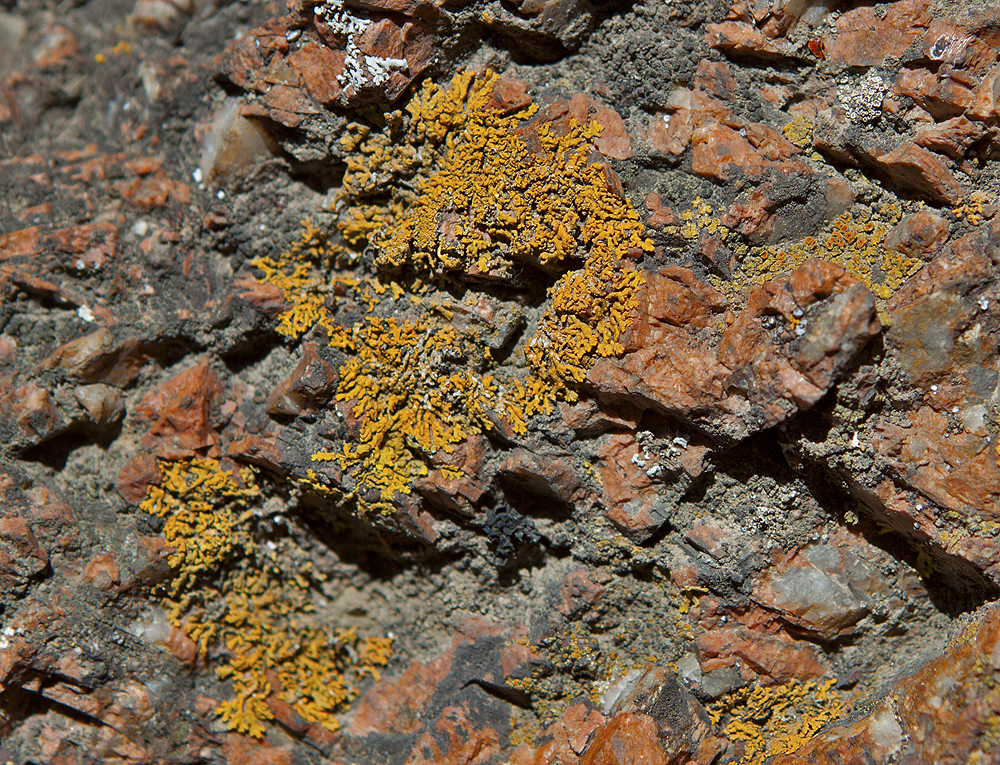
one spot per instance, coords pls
(546, 382)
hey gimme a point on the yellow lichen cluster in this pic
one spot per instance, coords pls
(408, 398)
(385, 168)
(975, 208)
(798, 131)
(413, 390)
(496, 203)
(856, 244)
(698, 218)
(230, 591)
(492, 193)
(777, 719)
(295, 272)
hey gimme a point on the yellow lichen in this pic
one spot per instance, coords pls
(857, 244)
(453, 188)
(973, 209)
(777, 719)
(698, 218)
(228, 590)
(411, 399)
(295, 272)
(496, 203)
(798, 131)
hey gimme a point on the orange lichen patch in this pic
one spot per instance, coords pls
(777, 719)
(495, 203)
(253, 600)
(458, 185)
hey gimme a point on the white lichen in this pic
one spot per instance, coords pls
(360, 70)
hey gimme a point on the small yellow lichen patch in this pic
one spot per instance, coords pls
(698, 218)
(798, 131)
(973, 209)
(410, 398)
(226, 589)
(205, 511)
(777, 719)
(294, 271)
(856, 244)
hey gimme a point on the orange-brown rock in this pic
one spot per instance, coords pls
(21, 555)
(99, 357)
(943, 712)
(567, 738)
(136, 476)
(460, 494)
(318, 67)
(656, 722)
(28, 411)
(632, 500)
(742, 40)
(780, 355)
(916, 168)
(102, 572)
(311, 384)
(181, 413)
(547, 475)
(774, 658)
(817, 590)
(918, 234)
(855, 45)
(934, 475)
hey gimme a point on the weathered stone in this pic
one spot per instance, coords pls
(542, 27)
(318, 66)
(102, 572)
(918, 234)
(99, 357)
(943, 711)
(751, 376)
(138, 474)
(567, 736)
(742, 40)
(776, 658)
(953, 137)
(915, 168)
(550, 476)
(21, 555)
(461, 494)
(628, 493)
(656, 721)
(102, 403)
(29, 410)
(856, 45)
(310, 385)
(180, 413)
(818, 598)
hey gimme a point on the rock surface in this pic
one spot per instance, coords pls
(546, 382)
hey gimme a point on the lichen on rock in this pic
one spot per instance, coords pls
(228, 590)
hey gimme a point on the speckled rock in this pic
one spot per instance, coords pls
(941, 711)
